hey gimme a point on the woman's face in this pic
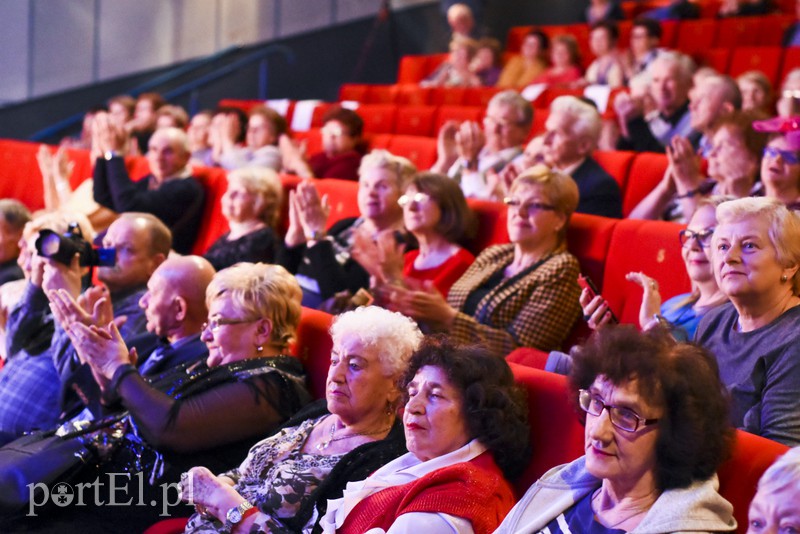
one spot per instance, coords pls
(560, 55)
(694, 254)
(357, 387)
(599, 42)
(336, 139)
(239, 204)
(434, 418)
(745, 260)
(378, 192)
(624, 458)
(753, 96)
(729, 159)
(228, 335)
(773, 512)
(780, 166)
(531, 217)
(531, 48)
(421, 213)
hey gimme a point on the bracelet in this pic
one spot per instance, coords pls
(316, 235)
(689, 194)
(121, 372)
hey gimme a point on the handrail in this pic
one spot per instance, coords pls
(193, 86)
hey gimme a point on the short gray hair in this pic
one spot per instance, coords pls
(585, 118)
(727, 87)
(393, 336)
(686, 65)
(265, 183)
(784, 472)
(514, 99)
(379, 158)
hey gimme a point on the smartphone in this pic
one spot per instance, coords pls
(586, 283)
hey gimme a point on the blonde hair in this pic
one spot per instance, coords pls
(783, 473)
(383, 159)
(261, 291)
(784, 227)
(585, 118)
(561, 190)
(265, 183)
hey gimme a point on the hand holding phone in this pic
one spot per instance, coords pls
(586, 283)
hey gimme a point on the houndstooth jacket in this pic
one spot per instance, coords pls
(537, 310)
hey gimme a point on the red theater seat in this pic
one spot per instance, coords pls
(529, 357)
(313, 347)
(696, 35)
(492, 230)
(382, 94)
(480, 96)
(378, 118)
(342, 198)
(416, 120)
(420, 150)
(767, 59)
(458, 114)
(646, 171)
(617, 163)
(738, 31)
(352, 91)
(773, 27)
(19, 173)
(413, 95)
(412, 69)
(588, 239)
(448, 96)
(213, 224)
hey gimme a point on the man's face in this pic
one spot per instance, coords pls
(135, 260)
(160, 305)
(198, 130)
(641, 42)
(259, 132)
(166, 157)
(144, 113)
(668, 89)
(562, 146)
(705, 106)
(503, 128)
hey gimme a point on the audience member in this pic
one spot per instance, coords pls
(466, 152)
(197, 135)
(774, 507)
(671, 79)
(264, 127)
(170, 116)
(170, 184)
(565, 63)
(436, 213)
(143, 123)
(342, 148)
(455, 70)
(289, 476)
(573, 128)
(744, 8)
(13, 218)
(461, 20)
(598, 10)
(252, 206)
(327, 262)
(756, 90)
(791, 36)
(710, 100)
(84, 139)
(675, 10)
(500, 182)
(780, 166)
(523, 294)
(733, 164)
(682, 313)
(643, 395)
(755, 253)
(227, 131)
(644, 41)
(789, 99)
(487, 63)
(466, 428)
(120, 110)
(531, 62)
(606, 69)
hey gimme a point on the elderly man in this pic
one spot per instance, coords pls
(713, 98)
(169, 192)
(671, 80)
(573, 128)
(466, 152)
(39, 351)
(264, 127)
(13, 218)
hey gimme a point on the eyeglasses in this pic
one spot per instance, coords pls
(419, 198)
(528, 208)
(622, 418)
(789, 156)
(502, 123)
(215, 322)
(703, 238)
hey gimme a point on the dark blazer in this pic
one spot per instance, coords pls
(600, 194)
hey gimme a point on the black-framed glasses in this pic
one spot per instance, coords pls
(789, 156)
(703, 237)
(215, 322)
(622, 418)
(419, 198)
(527, 208)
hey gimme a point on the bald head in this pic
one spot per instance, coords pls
(175, 304)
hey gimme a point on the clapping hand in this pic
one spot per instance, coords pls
(209, 494)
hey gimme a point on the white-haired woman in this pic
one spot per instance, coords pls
(327, 262)
(775, 505)
(344, 437)
(251, 204)
(755, 251)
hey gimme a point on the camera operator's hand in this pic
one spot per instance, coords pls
(60, 276)
(37, 269)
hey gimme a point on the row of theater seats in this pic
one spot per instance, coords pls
(555, 431)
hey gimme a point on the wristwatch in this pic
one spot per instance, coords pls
(237, 514)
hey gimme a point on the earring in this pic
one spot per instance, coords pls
(784, 279)
(260, 349)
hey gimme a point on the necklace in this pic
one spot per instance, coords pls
(324, 445)
(636, 512)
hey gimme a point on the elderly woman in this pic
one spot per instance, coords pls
(487, 61)
(326, 262)
(251, 204)
(681, 313)
(264, 127)
(437, 215)
(342, 148)
(774, 507)
(521, 70)
(756, 91)
(780, 166)
(344, 437)
(466, 427)
(206, 413)
(565, 62)
(755, 251)
(788, 104)
(455, 71)
(733, 163)
(523, 294)
(606, 69)
(648, 401)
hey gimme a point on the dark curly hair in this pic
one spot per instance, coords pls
(457, 223)
(695, 435)
(494, 406)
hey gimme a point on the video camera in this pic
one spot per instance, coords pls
(63, 248)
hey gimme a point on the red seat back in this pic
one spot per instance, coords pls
(313, 347)
(696, 35)
(214, 223)
(378, 118)
(448, 96)
(646, 171)
(382, 94)
(766, 59)
(354, 91)
(492, 229)
(556, 432)
(342, 198)
(420, 150)
(738, 31)
(19, 173)
(588, 239)
(416, 120)
(617, 163)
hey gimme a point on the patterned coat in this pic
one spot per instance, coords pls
(537, 310)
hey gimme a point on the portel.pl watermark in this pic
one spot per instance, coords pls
(109, 489)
